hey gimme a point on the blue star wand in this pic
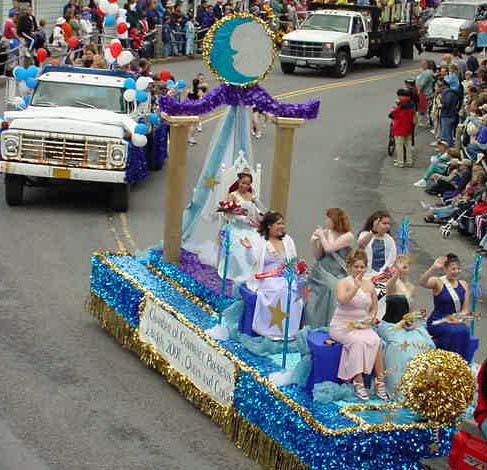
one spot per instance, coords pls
(226, 244)
(289, 273)
(476, 291)
(403, 240)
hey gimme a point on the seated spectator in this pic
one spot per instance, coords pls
(439, 163)
(478, 143)
(453, 183)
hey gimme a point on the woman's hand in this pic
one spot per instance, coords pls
(358, 279)
(245, 242)
(439, 263)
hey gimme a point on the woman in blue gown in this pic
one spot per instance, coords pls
(450, 295)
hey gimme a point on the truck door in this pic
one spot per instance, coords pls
(359, 38)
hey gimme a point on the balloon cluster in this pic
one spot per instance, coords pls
(27, 78)
(115, 55)
(165, 76)
(108, 9)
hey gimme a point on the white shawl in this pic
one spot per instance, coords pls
(258, 252)
(390, 253)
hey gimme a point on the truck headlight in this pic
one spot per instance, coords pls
(328, 46)
(10, 145)
(285, 43)
(117, 155)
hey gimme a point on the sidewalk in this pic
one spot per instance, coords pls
(403, 200)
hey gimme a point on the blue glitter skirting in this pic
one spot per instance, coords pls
(317, 435)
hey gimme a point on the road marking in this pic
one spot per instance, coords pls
(113, 230)
(330, 86)
(126, 231)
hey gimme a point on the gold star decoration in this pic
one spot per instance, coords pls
(210, 182)
(277, 315)
(404, 346)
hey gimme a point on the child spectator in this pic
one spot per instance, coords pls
(439, 164)
(190, 34)
(403, 120)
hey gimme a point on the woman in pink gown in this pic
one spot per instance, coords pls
(352, 326)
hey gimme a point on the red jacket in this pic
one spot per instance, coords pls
(480, 412)
(403, 116)
(479, 208)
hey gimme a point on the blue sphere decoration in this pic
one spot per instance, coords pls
(110, 21)
(170, 83)
(141, 129)
(20, 73)
(180, 84)
(32, 71)
(14, 43)
(141, 96)
(31, 83)
(129, 84)
(27, 99)
(154, 119)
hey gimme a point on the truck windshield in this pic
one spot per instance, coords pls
(327, 23)
(79, 96)
(456, 10)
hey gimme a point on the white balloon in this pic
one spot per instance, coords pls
(112, 9)
(141, 83)
(139, 140)
(125, 58)
(129, 95)
(104, 4)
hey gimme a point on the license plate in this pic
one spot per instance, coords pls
(62, 173)
(301, 62)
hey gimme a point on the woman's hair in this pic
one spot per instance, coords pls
(356, 255)
(243, 174)
(369, 223)
(451, 258)
(340, 219)
(404, 258)
(270, 218)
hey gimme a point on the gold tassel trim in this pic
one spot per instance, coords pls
(250, 439)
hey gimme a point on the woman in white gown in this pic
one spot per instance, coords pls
(269, 253)
(240, 267)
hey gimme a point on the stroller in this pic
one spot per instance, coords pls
(454, 222)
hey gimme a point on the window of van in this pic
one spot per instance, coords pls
(457, 10)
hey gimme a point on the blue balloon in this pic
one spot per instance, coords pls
(170, 83)
(20, 73)
(154, 119)
(129, 84)
(110, 21)
(32, 71)
(141, 96)
(180, 84)
(141, 129)
(27, 99)
(14, 43)
(31, 83)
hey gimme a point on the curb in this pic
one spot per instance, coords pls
(175, 59)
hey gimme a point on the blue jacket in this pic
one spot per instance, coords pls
(449, 103)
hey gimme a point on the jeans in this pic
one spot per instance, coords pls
(474, 149)
(444, 212)
(447, 126)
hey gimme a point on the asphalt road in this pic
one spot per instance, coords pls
(73, 399)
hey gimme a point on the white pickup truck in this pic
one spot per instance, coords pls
(336, 35)
(77, 127)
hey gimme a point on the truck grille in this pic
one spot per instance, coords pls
(64, 149)
(305, 49)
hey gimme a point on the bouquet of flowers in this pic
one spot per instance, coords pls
(231, 208)
(410, 320)
(458, 318)
(359, 324)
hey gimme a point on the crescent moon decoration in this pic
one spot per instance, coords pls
(229, 50)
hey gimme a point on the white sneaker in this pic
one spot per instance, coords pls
(192, 141)
(258, 135)
(420, 183)
(434, 143)
(425, 205)
(199, 127)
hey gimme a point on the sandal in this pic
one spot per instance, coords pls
(430, 219)
(380, 388)
(360, 391)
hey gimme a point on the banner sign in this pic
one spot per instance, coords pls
(188, 353)
(482, 34)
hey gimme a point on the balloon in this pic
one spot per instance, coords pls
(14, 43)
(108, 55)
(129, 84)
(20, 73)
(180, 84)
(116, 49)
(27, 99)
(100, 12)
(125, 58)
(31, 83)
(170, 83)
(32, 71)
(141, 129)
(73, 42)
(103, 6)
(112, 9)
(18, 101)
(122, 28)
(110, 21)
(141, 96)
(165, 75)
(112, 1)
(141, 83)
(41, 54)
(154, 119)
(139, 140)
(129, 95)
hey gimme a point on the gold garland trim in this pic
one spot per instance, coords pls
(208, 46)
(253, 442)
(240, 365)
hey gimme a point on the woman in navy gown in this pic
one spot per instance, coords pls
(450, 295)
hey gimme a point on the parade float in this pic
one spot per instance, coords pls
(279, 402)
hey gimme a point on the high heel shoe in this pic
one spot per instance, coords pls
(380, 388)
(360, 391)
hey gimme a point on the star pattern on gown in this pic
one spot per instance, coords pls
(404, 346)
(211, 182)
(277, 315)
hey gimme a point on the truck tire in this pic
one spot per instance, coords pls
(407, 49)
(342, 65)
(14, 189)
(287, 68)
(119, 197)
(393, 55)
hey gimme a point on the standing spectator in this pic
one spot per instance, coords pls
(86, 27)
(190, 34)
(460, 62)
(66, 26)
(132, 13)
(472, 62)
(10, 25)
(26, 27)
(71, 5)
(448, 112)
(167, 37)
(218, 11)
(57, 37)
(425, 88)
(403, 119)
(179, 41)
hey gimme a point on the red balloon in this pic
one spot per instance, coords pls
(116, 49)
(165, 75)
(122, 28)
(100, 12)
(113, 1)
(73, 42)
(41, 54)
